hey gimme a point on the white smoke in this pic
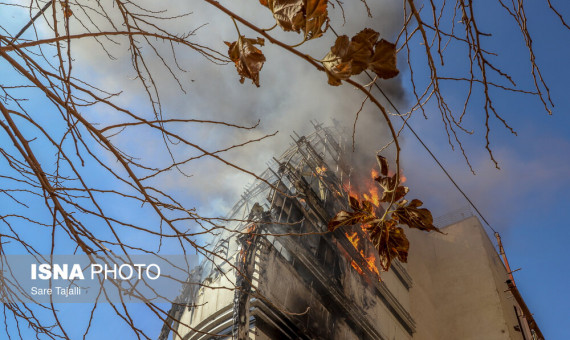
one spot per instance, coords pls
(292, 93)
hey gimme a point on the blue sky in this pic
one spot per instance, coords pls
(527, 201)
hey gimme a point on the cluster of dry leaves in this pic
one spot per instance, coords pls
(346, 58)
(308, 16)
(386, 236)
(352, 56)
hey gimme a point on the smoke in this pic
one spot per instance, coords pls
(292, 93)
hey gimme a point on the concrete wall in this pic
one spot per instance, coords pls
(459, 290)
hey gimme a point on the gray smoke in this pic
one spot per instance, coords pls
(292, 93)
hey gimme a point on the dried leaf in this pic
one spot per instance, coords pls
(384, 60)
(351, 57)
(397, 246)
(345, 218)
(361, 49)
(362, 214)
(316, 15)
(288, 13)
(336, 68)
(258, 41)
(383, 164)
(368, 207)
(390, 241)
(388, 183)
(413, 216)
(297, 15)
(247, 58)
(353, 203)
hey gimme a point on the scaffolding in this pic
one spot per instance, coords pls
(283, 217)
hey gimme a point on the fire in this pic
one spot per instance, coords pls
(372, 194)
(349, 189)
(354, 239)
(370, 260)
(371, 263)
(357, 267)
(321, 170)
(373, 173)
(372, 191)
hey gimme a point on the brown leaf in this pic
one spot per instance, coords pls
(398, 245)
(316, 16)
(288, 13)
(258, 41)
(388, 183)
(247, 58)
(390, 241)
(361, 49)
(353, 203)
(368, 207)
(414, 217)
(384, 60)
(351, 57)
(337, 66)
(345, 218)
(362, 214)
(297, 15)
(383, 164)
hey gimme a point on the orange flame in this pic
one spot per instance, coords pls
(372, 194)
(373, 173)
(357, 267)
(321, 170)
(349, 189)
(371, 263)
(354, 239)
(370, 260)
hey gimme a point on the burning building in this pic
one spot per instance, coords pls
(276, 273)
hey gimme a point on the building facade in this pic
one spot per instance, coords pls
(276, 273)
